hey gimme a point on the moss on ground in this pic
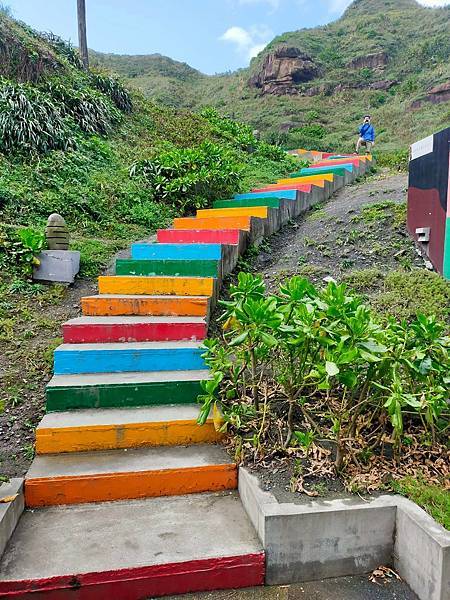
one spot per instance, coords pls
(435, 499)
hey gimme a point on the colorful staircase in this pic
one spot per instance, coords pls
(128, 497)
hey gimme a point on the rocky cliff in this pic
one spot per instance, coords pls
(282, 71)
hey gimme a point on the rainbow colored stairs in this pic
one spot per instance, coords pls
(127, 496)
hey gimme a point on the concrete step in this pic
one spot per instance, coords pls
(243, 222)
(128, 357)
(310, 179)
(89, 330)
(142, 304)
(237, 211)
(134, 549)
(127, 474)
(176, 251)
(199, 236)
(288, 194)
(270, 202)
(172, 268)
(171, 286)
(116, 390)
(109, 429)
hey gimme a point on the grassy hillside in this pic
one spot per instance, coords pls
(114, 164)
(415, 40)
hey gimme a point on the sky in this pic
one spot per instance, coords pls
(213, 36)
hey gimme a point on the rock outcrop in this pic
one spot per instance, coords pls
(436, 95)
(371, 61)
(282, 71)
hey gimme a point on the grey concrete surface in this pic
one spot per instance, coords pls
(345, 588)
(132, 460)
(10, 512)
(131, 320)
(349, 536)
(57, 265)
(118, 535)
(117, 416)
(97, 379)
(422, 552)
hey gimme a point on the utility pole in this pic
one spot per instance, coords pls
(82, 37)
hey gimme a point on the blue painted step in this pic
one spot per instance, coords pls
(317, 170)
(176, 251)
(285, 194)
(71, 359)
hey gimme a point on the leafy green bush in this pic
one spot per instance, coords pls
(235, 132)
(19, 249)
(397, 160)
(189, 178)
(30, 120)
(112, 87)
(324, 355)
(90, 109)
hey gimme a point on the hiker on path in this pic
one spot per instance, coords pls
(366, 135)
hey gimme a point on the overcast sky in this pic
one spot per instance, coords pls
(211, 35)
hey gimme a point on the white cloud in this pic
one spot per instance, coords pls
(434, 2)
(248, 42)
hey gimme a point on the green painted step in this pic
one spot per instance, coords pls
(320, 171)
(271, 202)
(123, 390)
(182, 268)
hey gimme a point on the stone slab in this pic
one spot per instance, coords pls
(57, 266)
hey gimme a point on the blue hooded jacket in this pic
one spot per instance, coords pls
(367, 132)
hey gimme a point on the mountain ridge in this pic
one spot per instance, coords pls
(382, 56)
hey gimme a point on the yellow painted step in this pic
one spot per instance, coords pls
(244, 211)
(174, 286)
(309, 179)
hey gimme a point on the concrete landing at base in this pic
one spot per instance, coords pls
(153, 547)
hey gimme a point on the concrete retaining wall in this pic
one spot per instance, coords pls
(323, 539)
(11, 511)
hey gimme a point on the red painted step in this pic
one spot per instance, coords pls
(199, 236)
(85, 330)
(292, 186)
(228, 572)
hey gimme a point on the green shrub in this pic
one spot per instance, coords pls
(237, 133)
(188, 178)
(397, 160)
(324, 355)
(111, 87)
(30, 120)
(19, 249)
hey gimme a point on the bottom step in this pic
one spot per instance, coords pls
(133, 550)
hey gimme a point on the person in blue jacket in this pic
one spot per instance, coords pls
(366, 135)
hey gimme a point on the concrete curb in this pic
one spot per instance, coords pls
(323, 539)
(10, 512)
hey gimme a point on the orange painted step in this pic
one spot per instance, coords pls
(174, 286)
(159, 306)
(128, 474)
(243, 222)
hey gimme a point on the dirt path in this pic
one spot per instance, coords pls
(360, 227)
